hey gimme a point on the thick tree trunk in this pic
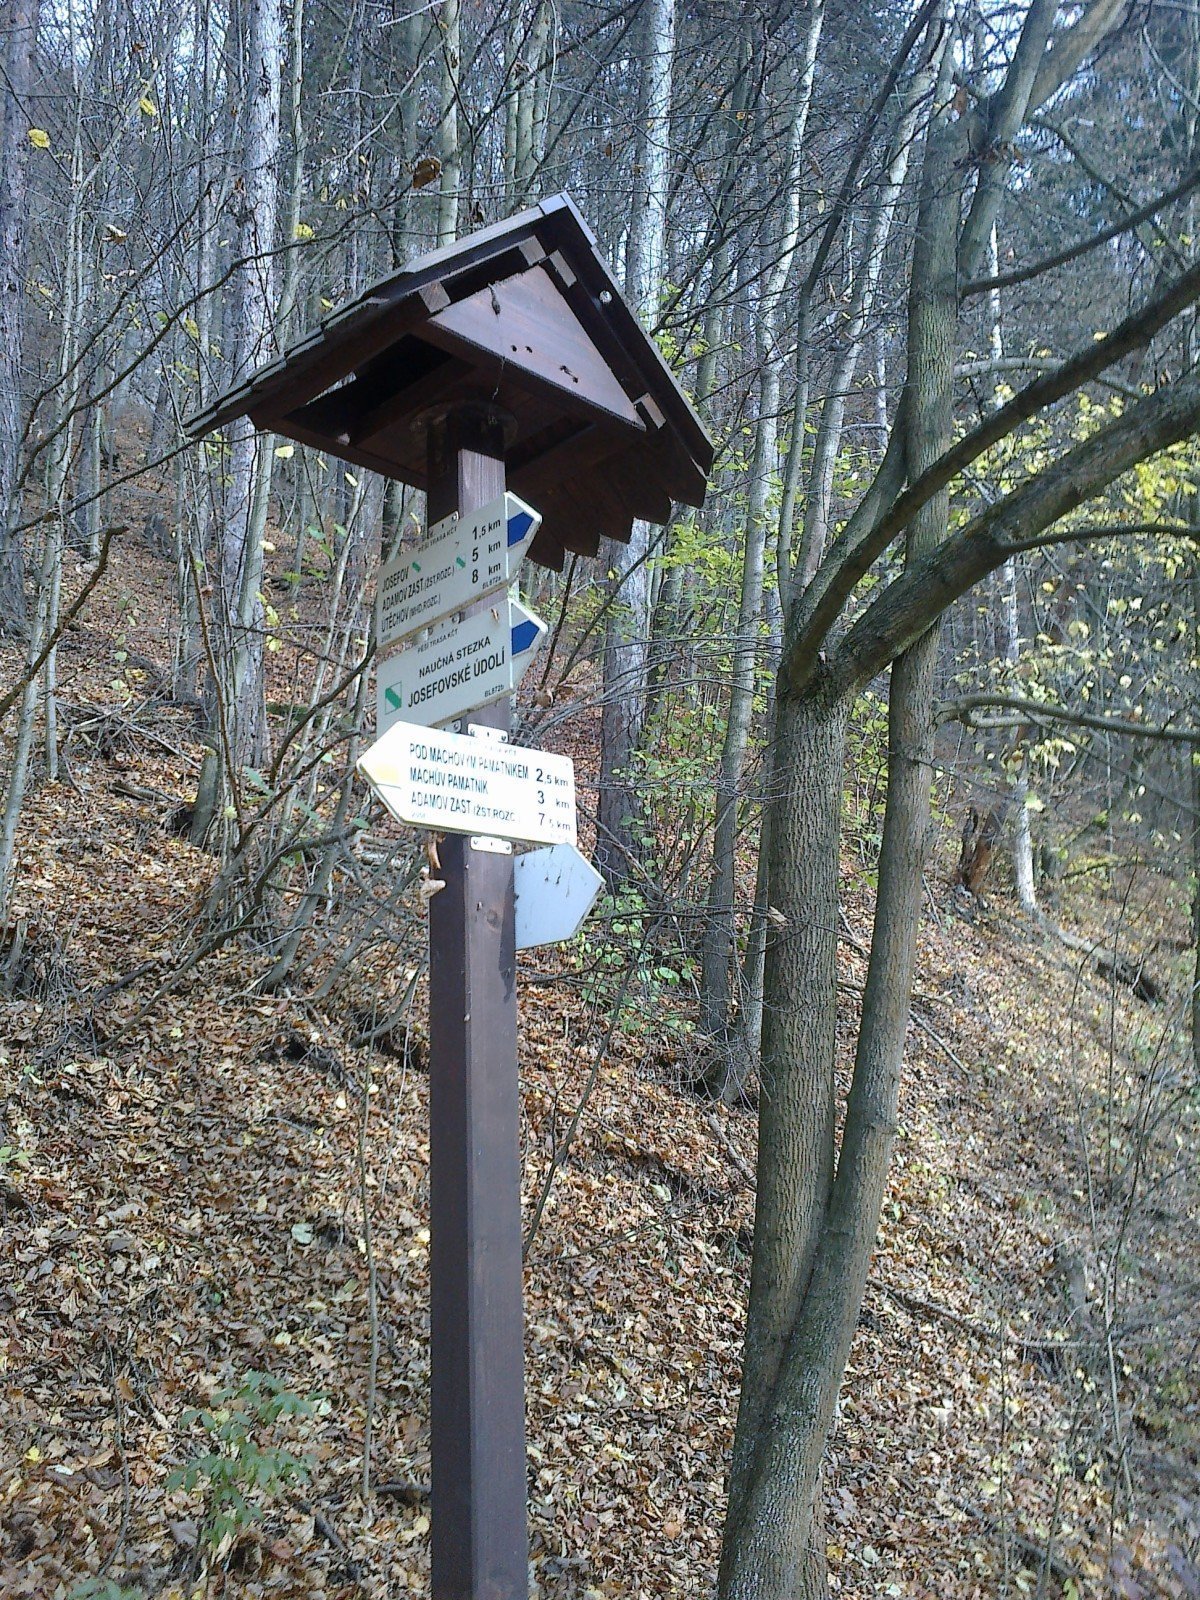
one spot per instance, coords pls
(772, 1483)
(813, 1231)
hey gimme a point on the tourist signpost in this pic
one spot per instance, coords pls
(462, 559)
(555, 889)
(473, 785)
(458, 666)
(509, 353)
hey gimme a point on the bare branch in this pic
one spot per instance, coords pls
(1045, 711)
(852, 553)
(1048, 263)
(910, 605)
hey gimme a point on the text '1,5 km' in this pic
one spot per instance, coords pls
(462, 560)
(461, 784)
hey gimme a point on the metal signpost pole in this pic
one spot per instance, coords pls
(477, 1402)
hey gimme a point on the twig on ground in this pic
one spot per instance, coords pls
(332, 1537)
(1061, 1569)
(119, 1445)
(736, 1159)
(407, 1490)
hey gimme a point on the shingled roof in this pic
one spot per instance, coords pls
(526, 315)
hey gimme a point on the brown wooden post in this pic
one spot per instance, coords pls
(477, 1400)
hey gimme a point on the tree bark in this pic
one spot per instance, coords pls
(720, 924)
(21, 30)
(448, 136)
(771, 1486)
(627, 629)
(1010, 630)
(779, 253)
(250, 452)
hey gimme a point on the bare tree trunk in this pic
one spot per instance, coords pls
(879, 387)
(668, 639)
(720, 924)
(817, 1228)
(515, 69)
(767, 1528)
(862, 303)
(529, 43)
(716, 311)
(1022, 849)
(20, 35)
(69, 394)
(1011, 615)
(18, 770)
(236, 696)
(646, 250)
(627, 628)
(410, 35)
(449, 145)
(780, 251)
(289, 294)
(252, 322)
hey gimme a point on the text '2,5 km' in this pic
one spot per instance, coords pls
(462, 784)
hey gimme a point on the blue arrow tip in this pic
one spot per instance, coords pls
(524, 637)
(519, 525)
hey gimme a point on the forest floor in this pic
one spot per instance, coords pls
(182, 1186)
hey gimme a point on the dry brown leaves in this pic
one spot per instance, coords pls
(184, 1208)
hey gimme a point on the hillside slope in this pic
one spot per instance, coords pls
(183, 1184)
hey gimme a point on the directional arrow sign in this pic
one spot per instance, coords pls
(459, 667)
(466, 785)
(555, 890)
(463, 559)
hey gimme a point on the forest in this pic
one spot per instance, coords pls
(857, 1130)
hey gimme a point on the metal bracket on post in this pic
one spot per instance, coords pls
(494, 847)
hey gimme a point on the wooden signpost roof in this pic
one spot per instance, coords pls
(525, 315)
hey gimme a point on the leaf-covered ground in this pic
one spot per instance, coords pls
(183, 1185)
